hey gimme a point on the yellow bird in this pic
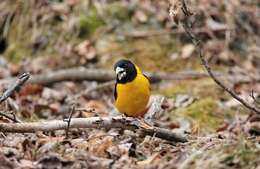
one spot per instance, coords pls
(132, 89)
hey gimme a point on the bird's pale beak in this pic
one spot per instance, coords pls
(120, 73)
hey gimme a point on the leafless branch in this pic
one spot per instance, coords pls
(254, 98)
(14, 87)
(93, 122)
(198, 43)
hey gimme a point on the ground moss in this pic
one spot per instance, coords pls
(244, 153)
(199, 88)
(150, 53)
(203, 112)
(118, 11)
(89, 23)
(16, 52)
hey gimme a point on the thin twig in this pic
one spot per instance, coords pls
(12, 118)
(184, 8)
(198, 44)
(254, 98)
(3, 135)
(15, 87)
(72, 110)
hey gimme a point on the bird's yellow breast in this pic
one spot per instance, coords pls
(132, 97)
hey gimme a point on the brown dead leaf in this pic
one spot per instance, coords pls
(49, 93)
(48, 143)
(86, 50)
(72, 2)
(98, 146)
(119, 150)
(52, 160)
(152, 160)
(99, 107)
(55, 107)
(140, 16)
(14, 69)
(125, 162)
(60, 8)
(26, 164)
(47, 139)
(223, 127)
(6, 163)
(38, 64)
(30, 89)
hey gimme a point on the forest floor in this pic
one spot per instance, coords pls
(42, 37)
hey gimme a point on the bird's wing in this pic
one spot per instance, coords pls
(147, 78)
(115, 92)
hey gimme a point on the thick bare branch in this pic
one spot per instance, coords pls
(101, 75)
(93, 122)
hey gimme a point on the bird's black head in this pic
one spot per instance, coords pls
(125, 71)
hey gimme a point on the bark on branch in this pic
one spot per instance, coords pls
(93, 122)
(100, 75)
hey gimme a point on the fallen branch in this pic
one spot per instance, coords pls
(93, 122)
(198, 43)
(14, 87)
(102, 75)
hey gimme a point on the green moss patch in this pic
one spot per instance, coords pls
(203, 112)
(89, 23)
